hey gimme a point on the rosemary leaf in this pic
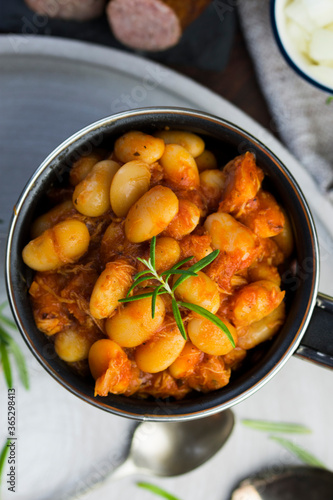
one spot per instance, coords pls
(4, 336)
(20, 364)
(197, 267)
(205, 261)
(299, 452)
(285, 427)
(3, 305)
(157, 490)
(142, 273)
(153, 300)
(6, 365)
(137, 297)
(145, 262)
(14, 349)
(185, 272)
(211, 317)
(164, 287)
(137, 282)
(178, 318)
(179, 281)
(3, 456)
(181, 263)
(152, 251)
(329, 99)
(7, 321)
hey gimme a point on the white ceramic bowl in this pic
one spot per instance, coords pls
(296, 60)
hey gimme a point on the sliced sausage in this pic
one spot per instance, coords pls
(76, 10)
(152, 24)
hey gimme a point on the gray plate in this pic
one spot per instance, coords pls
(46, 99)
(50, 88)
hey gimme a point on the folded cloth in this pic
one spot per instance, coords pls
(302, 117)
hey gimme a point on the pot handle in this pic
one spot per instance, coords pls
(317, 342)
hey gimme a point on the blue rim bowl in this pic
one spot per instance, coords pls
(274, 6)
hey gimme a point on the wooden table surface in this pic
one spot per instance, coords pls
(237, 82)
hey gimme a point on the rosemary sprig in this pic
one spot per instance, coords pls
(210, 316)
(165, 287)
(299, 452)
(156, 490)
(9, 347)
(6, 365)
(178, 318)
(290, 428)
(284, 427)
(3, 455)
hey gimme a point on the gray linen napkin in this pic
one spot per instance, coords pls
(302, 117)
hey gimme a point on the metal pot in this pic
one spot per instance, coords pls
(306, 331)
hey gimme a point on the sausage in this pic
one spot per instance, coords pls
(152, 25)
(76, 10)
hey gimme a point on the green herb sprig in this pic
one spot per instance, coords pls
(287, 428)
(284, 427)
(166, 287)
(9, 347)
(3, 455)
(302, 454)
(156, 490)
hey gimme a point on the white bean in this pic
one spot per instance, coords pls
(209, 338)
(179, 167)
(134, 324)
(151, 214)
(200, 290)
(73, 344)
(167, 253)
(185, 221)
(206, 161)
(228, 234)
(191, 142)
(128, 185)
(111, 286)
(212, 185)
(160, 351)
(260, 331)
(92, 195)
(285, 239)
(62, 244)
(51, 217)
(136, 145)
